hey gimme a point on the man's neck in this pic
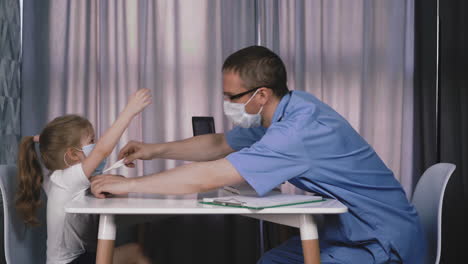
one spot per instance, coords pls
(269, 111)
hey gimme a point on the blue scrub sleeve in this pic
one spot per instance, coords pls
(278, 157)
(239, 138)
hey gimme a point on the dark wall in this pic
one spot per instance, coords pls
(453, 129)
(441, 110)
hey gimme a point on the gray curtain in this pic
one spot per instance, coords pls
(86, 57)
(10, 65)
(357, 56)
(10, 69)
(361, 64)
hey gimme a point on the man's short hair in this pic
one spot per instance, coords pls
(258, 66)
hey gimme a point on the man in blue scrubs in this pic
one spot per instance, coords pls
(283, 135)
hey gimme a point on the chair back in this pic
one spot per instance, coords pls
(428, 199)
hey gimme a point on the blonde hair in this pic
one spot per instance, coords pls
(59, 135)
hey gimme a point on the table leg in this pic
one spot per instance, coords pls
(106, 239)
(308, 229)
(309, 237)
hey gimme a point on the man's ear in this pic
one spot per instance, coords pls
(265, 95)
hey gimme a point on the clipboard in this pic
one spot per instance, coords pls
(258, 203)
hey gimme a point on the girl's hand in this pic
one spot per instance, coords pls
(138, 101)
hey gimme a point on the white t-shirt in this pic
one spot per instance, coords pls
(68, 235)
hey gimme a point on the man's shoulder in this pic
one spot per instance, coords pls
(302, 108)
(308, 105)
(303, 96)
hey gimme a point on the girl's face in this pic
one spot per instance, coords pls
(74, 155)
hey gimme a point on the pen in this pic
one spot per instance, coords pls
(231, 190)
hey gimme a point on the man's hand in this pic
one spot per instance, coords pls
(111, 184)
(135, 150)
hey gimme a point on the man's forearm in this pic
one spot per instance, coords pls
(187, 179)
(200, 148)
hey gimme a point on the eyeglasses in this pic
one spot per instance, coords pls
(239, 95)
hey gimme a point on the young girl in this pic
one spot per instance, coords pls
(67, 150)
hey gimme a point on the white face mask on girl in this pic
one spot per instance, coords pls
(87, 150)
(236, 113)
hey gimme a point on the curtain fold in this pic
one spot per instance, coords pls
(10, 65)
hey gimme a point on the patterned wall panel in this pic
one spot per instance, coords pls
(10, 69)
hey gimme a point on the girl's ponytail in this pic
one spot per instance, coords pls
(29, 182)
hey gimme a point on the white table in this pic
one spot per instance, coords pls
(296, 216)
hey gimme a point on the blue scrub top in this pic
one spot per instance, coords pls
(314, 148)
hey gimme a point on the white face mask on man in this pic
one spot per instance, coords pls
(236, 113)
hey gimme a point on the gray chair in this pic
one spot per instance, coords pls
(428, 198)
(23, 244)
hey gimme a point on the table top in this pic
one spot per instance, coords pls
(157, 204)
